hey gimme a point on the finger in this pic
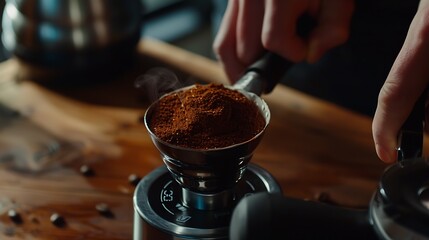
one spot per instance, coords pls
(279, 28)
(333, 27)
(405, 83)
(224, 45)
(249, 28)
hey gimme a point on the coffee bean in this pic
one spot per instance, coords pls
(57, 220)
(133, 179)
(14, 216)
(104, 210)
(102, 207)
(86, 170)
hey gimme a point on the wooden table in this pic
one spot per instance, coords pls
(316, 150)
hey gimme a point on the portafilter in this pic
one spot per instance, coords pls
(192, 196)
(217, 169)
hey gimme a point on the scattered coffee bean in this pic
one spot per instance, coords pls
(14, 216)
(102, 207)
(133, 179)
(86, 170)
(104, 210)
(57, 220)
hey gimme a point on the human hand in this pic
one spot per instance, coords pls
(251, 26)
(407, 80)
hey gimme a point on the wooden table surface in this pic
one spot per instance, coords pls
(312, 147)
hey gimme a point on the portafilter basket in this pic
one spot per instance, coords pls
(210, 171)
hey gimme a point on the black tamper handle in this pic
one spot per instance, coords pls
(274, 216)
(271, 69)
(264, 74)
(410, 138)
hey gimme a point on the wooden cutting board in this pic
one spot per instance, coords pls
(316, 150)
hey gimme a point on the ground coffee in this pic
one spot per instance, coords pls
(205, 117)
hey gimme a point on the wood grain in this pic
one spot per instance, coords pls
(311, 147)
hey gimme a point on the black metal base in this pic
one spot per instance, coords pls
(160, 212)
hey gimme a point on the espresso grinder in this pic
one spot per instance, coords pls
(194, 194)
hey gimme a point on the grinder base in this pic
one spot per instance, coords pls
(159, 211)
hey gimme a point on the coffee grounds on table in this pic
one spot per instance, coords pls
(206, 117)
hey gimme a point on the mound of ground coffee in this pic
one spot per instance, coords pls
(206, 117)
